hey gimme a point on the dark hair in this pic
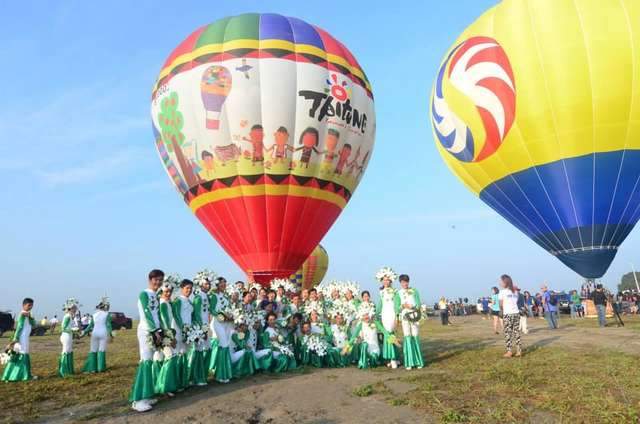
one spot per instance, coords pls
(273, 291)
(365, 292)
(297, 315)
(221, 279)
(333, 132)
(253, 289)
(185, 283)
(27, 301)
(403, 277)
(239, 282)
(266, 318)
(313, 290)
(256, 127)
(508, 282)
(245, 294)
(155, 273)
(598, 286)
(309, 130)
(495, 290)
(205, 154)
(282, 130)
(306, 323)
(347, 146)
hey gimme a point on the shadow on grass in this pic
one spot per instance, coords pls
(437, 350)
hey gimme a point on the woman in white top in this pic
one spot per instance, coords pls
(508, 298)
(100, 329)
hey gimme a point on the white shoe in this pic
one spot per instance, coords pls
(408, 368)
(170, 394)
(419, 368)
(141, 406)
(201, 384)
(394, 364)
(152, 401)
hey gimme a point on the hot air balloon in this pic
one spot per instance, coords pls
(312, 270)
(536, 108)
(265, 125)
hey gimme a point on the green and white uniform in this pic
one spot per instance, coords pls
(65, 363)
(100, 330)
(243, 359)
(367, 351)
(200, 353)
(148, 310)
(168, 378)
(222, 331)
(388, 309)
(340, 335)
(19, 368)
(410, 341)
(182, 320)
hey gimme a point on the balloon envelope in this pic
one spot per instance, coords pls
(536, 108)
(312, 270)
(265, 125)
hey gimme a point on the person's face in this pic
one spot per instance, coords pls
(314, 316)
(235, 296)
(27, 306)
(280, 291)
(309, 140)
(268, 307)
(166, 293)
(366, 297)
(271, 321)
(306, 328)
(386, 282)
(240, 286)
(208, 160)
(271, 296)
(186, 290)
(305, 294)
(296, 300)
(404, 284)
(503, 284)
(247, 298)
(295, 321)
(348, 295)
(242, 328)
(331, 142)
(366, 318)
(222, 285)
(263, 293)
(206, 287)
(335, 294)
(339, 319)
(281, 138)
(313, 295)
(257, 135)
(155, 283)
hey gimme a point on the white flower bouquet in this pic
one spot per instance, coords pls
(316, 344)
(195, 334)
(203, 277)
(10, 353)
(386, 272)
(282, 348)
(286, 284)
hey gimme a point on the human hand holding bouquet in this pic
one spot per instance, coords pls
(394, 340)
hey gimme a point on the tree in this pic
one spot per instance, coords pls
(627, 282)
(171, 123)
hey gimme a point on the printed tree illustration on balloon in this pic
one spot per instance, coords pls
(171, 123)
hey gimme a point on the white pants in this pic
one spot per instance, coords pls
(146, 352)
(98, 343)
(388, 319)
(236, 356)
(523, 324)
(409, 328)
(223, 333)
(67, 342)
(261, 353)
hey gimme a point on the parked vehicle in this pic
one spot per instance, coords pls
(564, 305)
(6, 322)
(120, 320)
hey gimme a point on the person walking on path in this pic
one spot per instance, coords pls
(550, 307)
(599, 298)
(508, 302)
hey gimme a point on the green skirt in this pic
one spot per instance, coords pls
(412, 353)
(183, 371)
(213, 355)
(197, 370)
(245, 366)
(266, 362)
(91, 364)
(389, 350)
(168, 380)
(223, 368)
(143, 387)
(365, 358)
(335, 359)
(18, 369)
(65, 365)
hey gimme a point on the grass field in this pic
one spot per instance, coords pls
(567, 376)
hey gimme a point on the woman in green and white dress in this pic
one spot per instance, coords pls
(182, 319)
(282, 353)
(19, 366)
(100, 330)
(409, 300)
(168, 379)
(65, 363)
(222, 325)
(254, 332)
(340, 333)
(200, 354)
(364, 339)
(149, 338)
(387, 309)
(243, 359)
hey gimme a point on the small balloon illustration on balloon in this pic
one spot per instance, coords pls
(214, 87)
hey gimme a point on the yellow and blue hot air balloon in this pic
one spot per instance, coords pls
(536, 108)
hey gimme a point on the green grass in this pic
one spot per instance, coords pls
(363, 391)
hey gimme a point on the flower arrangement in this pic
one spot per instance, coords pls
(326, 288)
(155, 342)
(71, 303)
(285, 283)
(316, 344)
(196, 334)
(10, 353)
(386, 272)
(203, 277)
(314, 305)
(282, 348)
(351, 286)
(366, 309)
(171, 281)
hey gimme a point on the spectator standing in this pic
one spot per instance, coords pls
(494, 303)
(508, 303)
(53, 322)
(550, 307)
(599, 298)
(443, 306)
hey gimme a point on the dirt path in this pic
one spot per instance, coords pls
(327, 395)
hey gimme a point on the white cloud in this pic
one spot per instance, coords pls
(130, 190)
(89, 171)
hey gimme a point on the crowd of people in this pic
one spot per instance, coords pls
(191, 332)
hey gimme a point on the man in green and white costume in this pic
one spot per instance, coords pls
(149, 336)
(222, 326)
(408, 300)
(200, 355)
(19, 366)
(68, 328)
(100, 330)
(182, 321)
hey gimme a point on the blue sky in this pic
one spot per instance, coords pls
(88, 209)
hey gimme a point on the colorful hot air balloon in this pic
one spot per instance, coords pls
(536, 108)
(312, 270)
(265, 125)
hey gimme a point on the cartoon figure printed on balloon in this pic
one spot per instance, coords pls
(208, 169)
(331, 143)
(215, 86)
(244, 68)
(308, 144)
(343, 158)
(256, 138)
(280, 146)
(363, 165)
(340, 91)
(352, 165)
